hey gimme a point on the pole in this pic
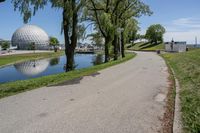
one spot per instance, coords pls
(196, 41)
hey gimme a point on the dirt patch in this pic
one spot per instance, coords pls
(168, 118)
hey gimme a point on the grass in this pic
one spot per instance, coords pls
(168, 118)
(187, 69)
(11, 59)
(146, 46)
(13, 88)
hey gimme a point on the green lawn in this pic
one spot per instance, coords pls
(13, 88)
(146, 46)
(11, 59)
(187, 69)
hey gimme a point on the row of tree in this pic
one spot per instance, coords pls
(114, 20)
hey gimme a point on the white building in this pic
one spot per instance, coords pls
(29, 36)
(175, 46)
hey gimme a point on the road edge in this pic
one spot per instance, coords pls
(177, 120)
(177, 124)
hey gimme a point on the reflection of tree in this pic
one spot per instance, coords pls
(54, 61)
(98, 59)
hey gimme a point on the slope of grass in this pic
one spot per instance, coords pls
(11, 59)
(155, 47)
(187, 69)
(146, 46)
(13, 88)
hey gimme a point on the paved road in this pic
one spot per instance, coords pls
(127, 98)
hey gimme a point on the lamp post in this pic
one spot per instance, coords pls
(120, 30)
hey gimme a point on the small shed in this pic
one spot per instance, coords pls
(175, 46)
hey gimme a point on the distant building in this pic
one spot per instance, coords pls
(175, 46)
(30, 37)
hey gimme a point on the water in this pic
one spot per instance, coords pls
(44, 67)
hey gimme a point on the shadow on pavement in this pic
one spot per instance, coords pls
(73, 81)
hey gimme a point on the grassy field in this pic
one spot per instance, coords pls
(187, 69)
(146, 46)
(13, 88)
(11, 59)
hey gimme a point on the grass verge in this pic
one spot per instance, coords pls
(11, 59)
(187, 70)
(146, 46)
(13, 88)
(168, 118)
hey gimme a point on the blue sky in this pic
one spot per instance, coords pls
(181, 18)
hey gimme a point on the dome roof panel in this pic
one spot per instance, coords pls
(26, 35)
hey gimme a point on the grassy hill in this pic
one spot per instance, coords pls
(187, 69)
(146, 46)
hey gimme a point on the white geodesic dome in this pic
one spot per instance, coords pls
(32, 68)
(25, 36)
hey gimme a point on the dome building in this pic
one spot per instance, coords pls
(26, 36)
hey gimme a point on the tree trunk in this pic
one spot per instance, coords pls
(116, 48)
(70, 42)
(107, 43)
(122, 45)
(66, 37)
(70, 60)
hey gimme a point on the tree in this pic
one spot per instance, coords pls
(99, 13)
(70, 20)
(126, 15)
(130, 29)
(54, 42)
(5, 45)
(155, 33)
(97, 39)
(109, 16)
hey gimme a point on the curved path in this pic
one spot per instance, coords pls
(126, 98)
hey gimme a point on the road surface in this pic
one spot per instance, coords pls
(126, 98)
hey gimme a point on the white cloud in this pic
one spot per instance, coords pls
(188, 36)
(183, 29)
(187, 22)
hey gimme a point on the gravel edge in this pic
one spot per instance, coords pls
(177, 124)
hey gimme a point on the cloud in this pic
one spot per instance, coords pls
(188, 36)
(183, 29)
(187, 22)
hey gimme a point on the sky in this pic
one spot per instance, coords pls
(181, 19)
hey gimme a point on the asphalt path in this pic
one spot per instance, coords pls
(126, 98)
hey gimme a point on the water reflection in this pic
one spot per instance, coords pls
(32, 68)
(98, 59)
(45, 67)
(54, 61)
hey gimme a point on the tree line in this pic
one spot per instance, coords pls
(114, 20)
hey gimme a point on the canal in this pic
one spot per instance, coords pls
(38, 68)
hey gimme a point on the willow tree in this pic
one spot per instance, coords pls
(126, 13)
(129, 26)
(109, 14)
(71, 12)
(99, 13)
